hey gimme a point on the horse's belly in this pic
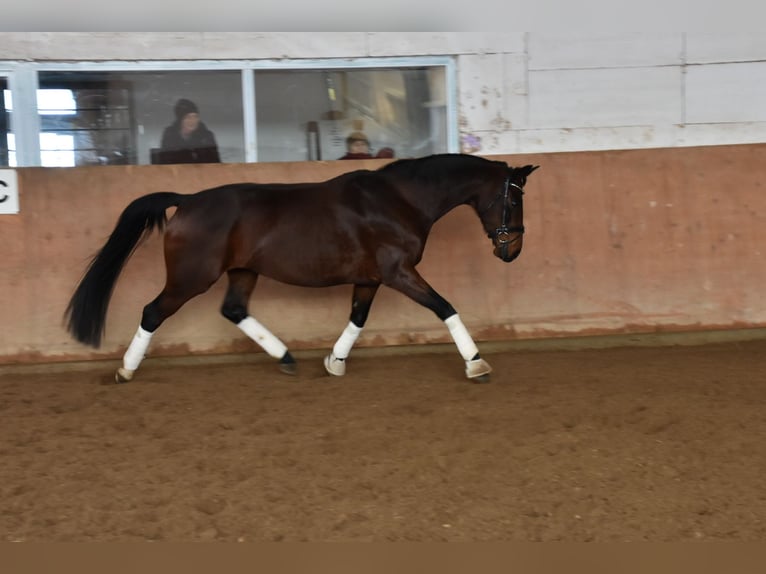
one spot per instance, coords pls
(314, 273)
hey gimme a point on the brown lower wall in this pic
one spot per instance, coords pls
(617, 242)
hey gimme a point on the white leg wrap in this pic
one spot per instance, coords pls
(263, 337)
(474, 368)
(335, 362)
(347, 339)
(137, 349)
(463, 340)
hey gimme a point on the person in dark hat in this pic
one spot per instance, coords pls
(188, 139)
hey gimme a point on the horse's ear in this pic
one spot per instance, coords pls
(527, 169)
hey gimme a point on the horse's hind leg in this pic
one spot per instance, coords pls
(335, 362)
(164, 305)
(241, 285)
(410, 283)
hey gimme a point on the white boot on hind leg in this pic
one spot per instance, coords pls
(123, 375)
(335, 366)
(133, 355)
(477, 368)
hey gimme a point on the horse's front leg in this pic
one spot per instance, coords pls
(409, 282)
(335, 362)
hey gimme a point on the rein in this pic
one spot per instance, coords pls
(503, 232)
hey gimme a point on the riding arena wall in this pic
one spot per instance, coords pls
(629, 241)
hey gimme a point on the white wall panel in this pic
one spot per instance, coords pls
(605, 97)
(251, 45)
(102, 45)
(181, 45)
(725, 47)
(603, 51)
(722, 134)
(603, 138)
(498, 143)
(726, 93)
(481, 93)
(438, 43)
(516, 91)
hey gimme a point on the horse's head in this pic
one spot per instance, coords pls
(503, 215)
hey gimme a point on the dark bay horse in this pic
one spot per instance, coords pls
(364, 228)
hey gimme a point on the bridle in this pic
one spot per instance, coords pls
(502, 234)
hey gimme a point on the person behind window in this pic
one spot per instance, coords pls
(358, 147)
(188, 139)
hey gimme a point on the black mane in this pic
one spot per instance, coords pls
(437, 168)
(435, 162)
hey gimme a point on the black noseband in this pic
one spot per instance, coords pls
(502, 235)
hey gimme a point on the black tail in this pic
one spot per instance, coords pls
(86, 313)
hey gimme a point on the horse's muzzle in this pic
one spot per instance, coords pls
(508, 246)
(506, 253)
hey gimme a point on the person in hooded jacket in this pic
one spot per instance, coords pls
(188, 139)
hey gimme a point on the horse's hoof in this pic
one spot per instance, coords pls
(478, 369)
(334, 366)
(123, 375)
(287, 364)
(288, 368)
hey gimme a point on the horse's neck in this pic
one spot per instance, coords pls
(437, 200)
(457, 182)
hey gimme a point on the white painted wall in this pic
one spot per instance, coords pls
(586, 92)
(517, 92)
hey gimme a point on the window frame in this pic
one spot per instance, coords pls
(5, 77)
(23, 82)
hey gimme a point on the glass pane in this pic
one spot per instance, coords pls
(310, 114)
(110, 118)
(7, 142)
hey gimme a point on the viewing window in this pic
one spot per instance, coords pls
(229, 112)
(303, 115)
(112, 118)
